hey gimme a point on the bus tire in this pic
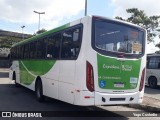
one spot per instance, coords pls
(39, 91)
(152, 82)
(14, 78)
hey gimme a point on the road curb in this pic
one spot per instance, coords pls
(145, 107)
(4, 69)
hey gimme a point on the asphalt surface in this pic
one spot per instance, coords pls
(154, 93)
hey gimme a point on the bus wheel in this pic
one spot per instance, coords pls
(152, 82)
(14, 78)
(39, 91)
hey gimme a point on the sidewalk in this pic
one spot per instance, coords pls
(148, 104)
(4, 69)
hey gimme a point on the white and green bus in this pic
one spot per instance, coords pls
(91, 61)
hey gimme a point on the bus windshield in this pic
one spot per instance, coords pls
(117, 37)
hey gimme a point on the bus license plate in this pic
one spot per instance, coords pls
(119, 85)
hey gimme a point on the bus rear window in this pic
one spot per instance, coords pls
(118, 38)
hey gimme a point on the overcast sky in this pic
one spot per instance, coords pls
(16, 13)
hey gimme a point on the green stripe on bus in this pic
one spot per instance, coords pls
(118, 74)
(25, 77)
(31, 68)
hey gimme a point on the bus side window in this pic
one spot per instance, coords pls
(22, 52)
(158, 62)
(159, 65)
(53, 46)
(41, 49)
(13, 53)
(33, 50)
(26, 51)
(70, 43)
(147, 64)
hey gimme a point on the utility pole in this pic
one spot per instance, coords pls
(85, 8)
(39, 17)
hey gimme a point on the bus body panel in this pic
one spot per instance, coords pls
(66, 81)
(50, 81)
(84, 98)
(50, 87)
(17, 71)
(65, 92)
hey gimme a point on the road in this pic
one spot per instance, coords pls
(154, 93)
(22, 99)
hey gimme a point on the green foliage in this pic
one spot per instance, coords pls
(8, 41)
(41, 31)
(150, 23)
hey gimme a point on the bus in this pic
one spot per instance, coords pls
(88, 62)
(153, 70)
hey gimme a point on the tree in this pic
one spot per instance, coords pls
(150, 23)
(41, 31)
(8, 41)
